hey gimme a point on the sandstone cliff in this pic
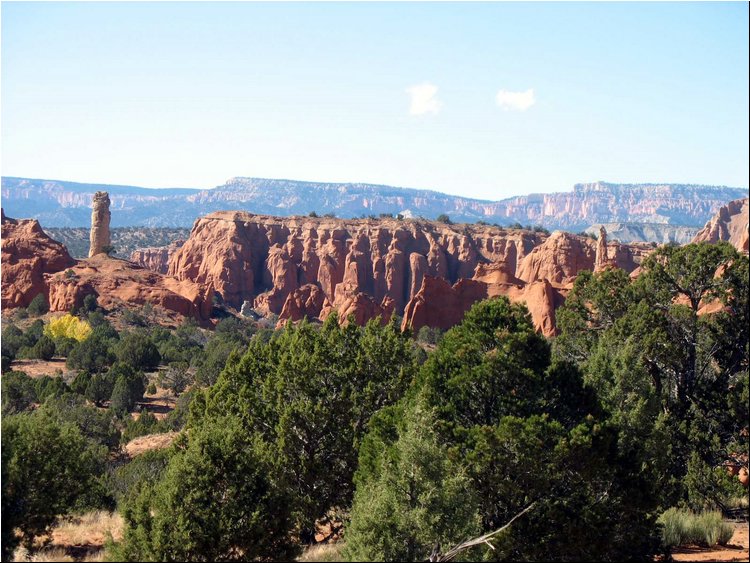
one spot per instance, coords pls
(27, 255)
(430, 273)
(731, 223)
(266, 259)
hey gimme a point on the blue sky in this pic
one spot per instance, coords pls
(483, 100)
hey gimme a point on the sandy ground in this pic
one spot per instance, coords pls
(143, 444)
(40, 368)
(736, 550)
(159, 404)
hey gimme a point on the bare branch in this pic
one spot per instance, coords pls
(451, 554)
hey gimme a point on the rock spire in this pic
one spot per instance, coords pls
(100, 217)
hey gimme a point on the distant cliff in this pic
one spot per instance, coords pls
(67, 204)
(652, 232)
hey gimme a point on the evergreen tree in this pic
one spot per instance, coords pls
(217, 500)
(46, 468)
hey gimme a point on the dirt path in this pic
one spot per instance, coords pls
(736, 550)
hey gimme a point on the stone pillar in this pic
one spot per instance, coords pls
(100, 216)
(601, 250)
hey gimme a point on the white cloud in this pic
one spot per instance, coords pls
(423, 99)
(517, 101)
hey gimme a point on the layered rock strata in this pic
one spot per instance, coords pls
(245, 256)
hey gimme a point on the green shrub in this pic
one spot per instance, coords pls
(38, 306)
(138, 350)
(50, 386)
(217, 498)
(18, 392)
(127, 480)
(47, 468)
(145, 424)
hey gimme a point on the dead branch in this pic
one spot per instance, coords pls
(451, 554)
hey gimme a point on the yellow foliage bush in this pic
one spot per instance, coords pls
(68, 326)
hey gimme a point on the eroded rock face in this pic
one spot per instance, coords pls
(100, 218)
(438, 304)
(559, 259)
(155, 258)
(120, 283)
(731, 224)
(265, 259)
(27, 255)
(305, 302)
(430, 273)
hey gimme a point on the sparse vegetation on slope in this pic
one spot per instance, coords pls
(124, 239)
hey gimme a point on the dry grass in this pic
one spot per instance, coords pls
(322, 552)
(40, 368)
(90, 529)
(149, 442)
(46, 554)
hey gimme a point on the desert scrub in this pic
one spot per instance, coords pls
(681, 527)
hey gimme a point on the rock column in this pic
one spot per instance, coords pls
(601, 250)
(100, 217)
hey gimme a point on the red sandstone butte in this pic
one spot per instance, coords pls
(27, 255)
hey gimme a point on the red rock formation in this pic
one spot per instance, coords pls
(306, 301)
(27, 255)
(438, 304)
(731, 224)
(429, 272)
(33, 263)
(266, 259)
(100, 218)
(559, 259)
(155, 258)
(120, 283)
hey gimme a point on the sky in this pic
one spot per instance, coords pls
(485, 100)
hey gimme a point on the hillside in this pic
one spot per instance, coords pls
(67, 204)
(124, 239)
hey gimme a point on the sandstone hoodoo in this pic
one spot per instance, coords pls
(100, 218)
(430, 273)
(27, 255)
